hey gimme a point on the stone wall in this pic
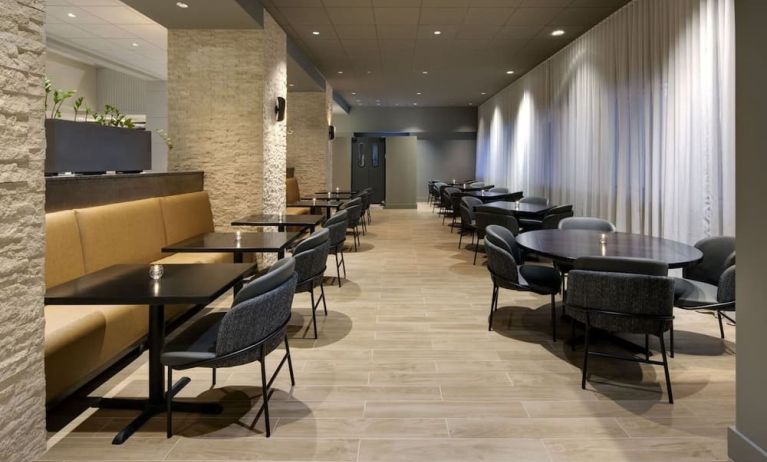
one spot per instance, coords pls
(222, 87)
(22, 155)
(308, 143)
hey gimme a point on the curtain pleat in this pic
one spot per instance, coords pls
(632, 122)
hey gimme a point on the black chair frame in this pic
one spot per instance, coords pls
(494, 301)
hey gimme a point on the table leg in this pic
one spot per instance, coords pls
(281, 254)
(237, 257)
(155, 403)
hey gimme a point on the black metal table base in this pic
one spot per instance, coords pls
(150, 409)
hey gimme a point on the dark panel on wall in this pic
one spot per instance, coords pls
(71, 192)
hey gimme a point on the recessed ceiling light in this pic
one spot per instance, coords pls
(340, 72)
(418, 93)
(316, 32)
(558, 32)
(134, 44)
(471, 104)
(354, 93)
(424, 72)
(437, 32)
(509, 72)
(71, 15)
(182, 5)
(483, 93)
(291, 84)
(415, 104)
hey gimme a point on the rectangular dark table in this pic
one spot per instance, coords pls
(267, 242)
(519, 209)
(281, 221)
(469, 188)
(489, 196)
(314, 204)
(339, 192)
(195, 284)
(326, 197)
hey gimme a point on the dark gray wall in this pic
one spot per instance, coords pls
(446, 145)
(748, 438)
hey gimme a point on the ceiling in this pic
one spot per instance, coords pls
(385, 52)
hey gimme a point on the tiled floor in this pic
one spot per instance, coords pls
(406, 370)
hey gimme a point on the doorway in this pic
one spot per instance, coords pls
(369, 166)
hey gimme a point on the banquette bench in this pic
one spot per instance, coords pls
(82, 341)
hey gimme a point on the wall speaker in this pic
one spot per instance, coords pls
(279, 109)
(331, 132)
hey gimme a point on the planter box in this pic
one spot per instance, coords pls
(87, 147)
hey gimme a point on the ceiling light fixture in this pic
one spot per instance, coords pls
(415, 104)
(509, 72)
(424, 72)
(316, 32)
(134, 44)
(182, 5)
(71, 15)
(291, 84)
(483, 93)
(558, 32)
(340, 72)
(437, 32)
(369, 72)
(354, 93)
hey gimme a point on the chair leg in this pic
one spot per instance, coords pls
(493, 305)
(322, 296)
(338, 269)
(213, 381)
(290, 362)
(476, 250)
(343, 262)
(587, 341)
(721, 325)
(265, 395)
(665, 368)
(169, 405)
(314, 314)
(460, 238)
(553, 317)
(672, 338)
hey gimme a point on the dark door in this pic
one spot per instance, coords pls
(369, 166)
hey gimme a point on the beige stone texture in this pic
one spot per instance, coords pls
(22, 192)
(222, 89)
(308, 142)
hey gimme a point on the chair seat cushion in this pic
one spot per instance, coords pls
(691, 294)
(194, 343)
(540, 279)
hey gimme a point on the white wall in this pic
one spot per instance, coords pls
(748, 437)
(68, 74)
(632, 122)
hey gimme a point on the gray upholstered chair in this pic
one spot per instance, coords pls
(502, 257)
(709, 284)
(366, 209)
(254, 327)
(468, 220)
(622, 295)
(499, 190)
(550, 219)
(487, 216)
(587, 223)
(336, 226)
(447, 203)
(436, 201)
(534, 200)
(311, 257)
(354, 209)
(364, 197)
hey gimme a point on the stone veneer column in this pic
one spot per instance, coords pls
(222, 87)
(308, 143)
(22, 195)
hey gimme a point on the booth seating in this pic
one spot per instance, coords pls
(82, 341)
(293, 194)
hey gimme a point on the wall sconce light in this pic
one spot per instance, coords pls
(331, 132)
(279, 109)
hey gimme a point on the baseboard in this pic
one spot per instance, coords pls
(741, 449)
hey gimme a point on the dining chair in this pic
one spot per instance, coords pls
(550, 219)
(622, 295)
(468, 219)
(493, 216)
(354, 210)
(251, 329)
(587, 223)
(366, 210)
(534, 200)
(447, 201)
(311, 257)
(364, 197)
(336, 226)
(436, 192)
(502, 257)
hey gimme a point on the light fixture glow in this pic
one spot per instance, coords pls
(437, 32)
(483, 93)
(424, 72)
(415, 104)
(134, 44)
(354, 93)
(340, 72)
(509, 72)
(558, 32)
(291, 84)
(182, 5)
(316, 32)
(71, 15)
(419, 93)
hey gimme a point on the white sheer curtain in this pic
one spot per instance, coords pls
(632, 122)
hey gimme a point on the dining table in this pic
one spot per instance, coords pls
(518, 209)
(188, 284)
(281, 221)
(327, 205)
(237, 243)
(493, 196)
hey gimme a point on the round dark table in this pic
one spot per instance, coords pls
(565, 246)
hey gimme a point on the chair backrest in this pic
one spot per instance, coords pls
(447, 195)
(588, 223)
(501, 217)
(718, 255)
(350, 203)
(262, 314)
(471, 202)
(499, 190)
(534, 200)
(365, 197)
(503, 238)
(336, 226)
(500, 260)
(725, 292)
(555, 215)
(477, 184)
(630, 286)
(311, 255)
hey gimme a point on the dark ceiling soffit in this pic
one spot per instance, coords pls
(341, 102)
(295, 52)
(254, 8)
